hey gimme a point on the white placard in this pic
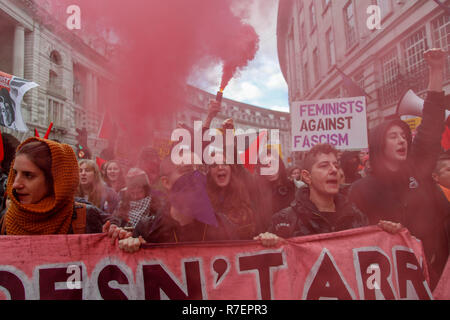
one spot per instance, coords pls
(340, 122)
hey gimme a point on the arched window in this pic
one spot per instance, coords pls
(55, 57)
(53, 77)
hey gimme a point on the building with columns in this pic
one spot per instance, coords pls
(70, 72)
(316, 36)
(245, 116)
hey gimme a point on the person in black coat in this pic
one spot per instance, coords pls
(318, 207)
(400, 187)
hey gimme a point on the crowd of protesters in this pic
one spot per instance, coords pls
(397, 182)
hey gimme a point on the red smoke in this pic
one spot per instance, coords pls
(160, 41)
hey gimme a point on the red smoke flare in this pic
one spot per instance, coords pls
(158, 45)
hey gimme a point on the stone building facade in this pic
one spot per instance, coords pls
(70, 72)
(316, 36)
(245, 116)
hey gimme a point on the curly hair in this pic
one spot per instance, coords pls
(311, 156)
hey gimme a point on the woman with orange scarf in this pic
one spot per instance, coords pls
(41, 186)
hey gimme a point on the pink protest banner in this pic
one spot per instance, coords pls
(365, 263)
(442, 290)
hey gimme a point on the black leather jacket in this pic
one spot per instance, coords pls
(303, 218)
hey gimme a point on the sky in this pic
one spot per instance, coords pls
(261, 83)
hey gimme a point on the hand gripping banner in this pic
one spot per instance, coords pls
(365, 263)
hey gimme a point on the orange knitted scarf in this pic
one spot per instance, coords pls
(53, 214)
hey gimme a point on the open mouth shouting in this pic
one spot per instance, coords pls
(332, 182)
(401, 152)
(221, 176)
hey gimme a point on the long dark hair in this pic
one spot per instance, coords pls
(234, 200)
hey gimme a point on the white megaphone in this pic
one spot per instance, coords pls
(412, 105)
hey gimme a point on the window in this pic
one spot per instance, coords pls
(292, 64)
(55, 112)
(359, 80)
(330, 48)
(312, 14)
(300, 5)
(52, 78)
(350, 26)
(390, 72)
(77, 91)
(336, 93)
(414, 47)
(303, 41)
(325, 4)
(390, 67)
(316, 65)
(416, 70)
(441, 38)
(55, 57)
(305, 78)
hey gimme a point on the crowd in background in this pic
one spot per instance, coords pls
(398, 182)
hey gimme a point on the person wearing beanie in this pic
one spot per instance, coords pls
(399, 187)
(41, 186)
(136, 202)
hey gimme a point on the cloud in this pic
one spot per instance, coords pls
(276, 81)
(279, 108)
(261, 83)
(243, 91)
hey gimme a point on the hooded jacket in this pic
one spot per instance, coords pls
(409, 195)
(303, 217)
(55, 212)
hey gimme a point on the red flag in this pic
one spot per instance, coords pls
(353, 89)
(107, 129)
(445, 141)
(100, 162)
(2, 154)
(253, 149)
(48, 130)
